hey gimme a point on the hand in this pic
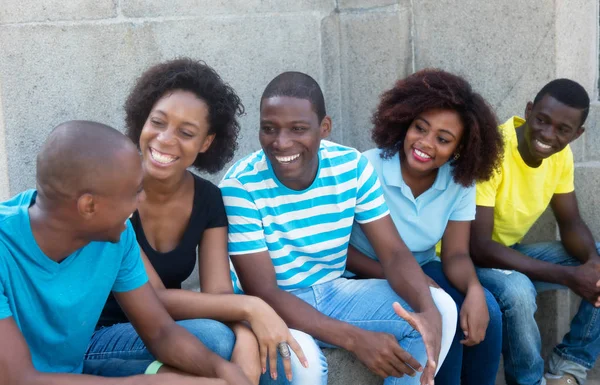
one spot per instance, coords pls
(232, 373)
(584, 280)
(474, 316)
(381, 353)
(245, 352)
(429, 325)
(270, 330)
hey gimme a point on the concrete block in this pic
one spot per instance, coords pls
(345, 369)
(366, 4)
(4, 187)
(98, 64)
(203, 8)
(543, 230)
(19, 11)
(591, 136)
(505, 49)
(330, 57)
(375, 52)
(587, 185)
(576, 25)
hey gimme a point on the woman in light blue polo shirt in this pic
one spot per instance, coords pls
(436, 137)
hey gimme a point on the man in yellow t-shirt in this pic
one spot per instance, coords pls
(537, 171)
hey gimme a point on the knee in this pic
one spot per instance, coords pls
(518, 294)
(317, 370)
(217, 337)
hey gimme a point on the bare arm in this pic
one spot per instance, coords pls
(16, 367)
(170, 343)
(363, 266)
(488, 253)
(576, 237)
(456, 262)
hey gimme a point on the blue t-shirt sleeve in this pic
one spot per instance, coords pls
(246, 233)
(132, 273)
(5, 311)
(465, 207)
(370, 203)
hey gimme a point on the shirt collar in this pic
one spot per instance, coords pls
(392, 175)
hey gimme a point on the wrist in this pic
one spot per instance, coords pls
(251, 308)
(352, 340)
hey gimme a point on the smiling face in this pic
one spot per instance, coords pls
(550, 126)
(175, 132)
(290, 135)
(431, 139)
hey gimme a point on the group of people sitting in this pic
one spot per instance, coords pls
(305, 244)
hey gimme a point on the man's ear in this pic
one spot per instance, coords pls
(207, 142)
(325, 127)
(86, 206)
(578, 133)
(528, 109)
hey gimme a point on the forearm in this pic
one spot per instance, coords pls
(174, 347)
(408, 280)
(39, 378)
(578, 241)
(492, 254)
(460, 271)
(186, 304)
(301, 316)
(363, 266)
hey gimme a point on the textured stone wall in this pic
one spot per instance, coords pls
(77, 59)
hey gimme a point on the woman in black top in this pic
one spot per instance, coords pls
(181, 114)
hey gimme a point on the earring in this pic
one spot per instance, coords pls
(456, 156)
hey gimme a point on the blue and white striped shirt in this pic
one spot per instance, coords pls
(305, 232)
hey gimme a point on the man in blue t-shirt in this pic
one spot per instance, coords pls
(290, 209)
(63, 248)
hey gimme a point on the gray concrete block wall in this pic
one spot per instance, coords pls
(78, 59)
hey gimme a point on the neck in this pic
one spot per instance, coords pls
(163, 190)
(524, 149)
(417, 180)
(54, 235)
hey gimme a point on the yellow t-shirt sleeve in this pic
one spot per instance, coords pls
(566, 182)
(486, 191)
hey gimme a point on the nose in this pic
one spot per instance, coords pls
(426, 140)
(282, 141)
(166, 136)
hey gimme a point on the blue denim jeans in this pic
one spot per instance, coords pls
(367, 304)
(118, 351)
(469, 365)
(516, 295)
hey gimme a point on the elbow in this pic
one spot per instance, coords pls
(268, 294)
(477, 251)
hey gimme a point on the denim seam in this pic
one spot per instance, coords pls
(568, 357)
(108, 355)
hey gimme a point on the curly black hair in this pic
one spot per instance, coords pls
(481, 147)
(224, 106)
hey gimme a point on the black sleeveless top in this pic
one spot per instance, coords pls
(177, 265)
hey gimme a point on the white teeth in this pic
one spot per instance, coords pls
(162, 158)
(287, 159)
(543, 145)
(422, 154)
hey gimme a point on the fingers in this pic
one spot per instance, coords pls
(287, 366)
(464, 326)
(402, 313)
(428, 375)
(263, 349)
(295, 346)
(273, 360)
(409, 363)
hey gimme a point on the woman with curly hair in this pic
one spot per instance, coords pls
(182, 115)
(435, 138)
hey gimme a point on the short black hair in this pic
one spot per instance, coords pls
(567, 92)
(224, 106)
(297, 85)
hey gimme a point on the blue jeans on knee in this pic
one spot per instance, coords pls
(469, 365)
(367, 304)
(121, 342)
(515, 293)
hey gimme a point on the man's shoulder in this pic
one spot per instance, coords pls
(249, 166)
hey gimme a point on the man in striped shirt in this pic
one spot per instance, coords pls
(290, 208)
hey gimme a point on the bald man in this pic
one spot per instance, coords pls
(63, 248)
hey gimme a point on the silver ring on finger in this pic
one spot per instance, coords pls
(284, 349)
